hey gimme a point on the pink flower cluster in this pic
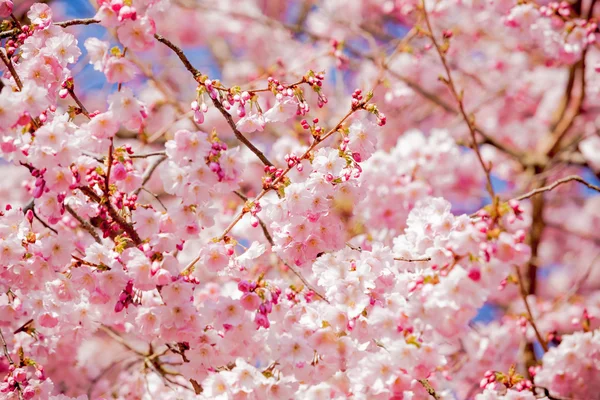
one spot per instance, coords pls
(266, 232)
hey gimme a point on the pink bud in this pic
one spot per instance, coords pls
(119, 172)
(475, 274)
(244, 286)
(6, 8)
(63, 93)
(29, 216)
(119, 307)
(261, 320)
(198, 117)
(20, 375)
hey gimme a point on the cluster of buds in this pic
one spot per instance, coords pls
(273, 173)
(315, 80)
(66, 87)
(315, 130)
(555, 8)
(12, 44)
(260, 298)
(357, 97)
(128, 296)
(17, 381)
(213, 158)
(40, 184)
(498, 381)
(199, 111)
(293, 160)
(280, 91)
(122, 200)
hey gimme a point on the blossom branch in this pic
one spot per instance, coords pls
(557, 183)
(114, 214)
(149, 171)
(459, 99)
(84, 224)
(197, 75)
(11, 69)
(524, 294)
(430, 390)
(272, 243)
(62, 24)
(10, 360)
(280, 178)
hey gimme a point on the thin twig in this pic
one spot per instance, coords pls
(272, 243)
(148, 173)
(523, 292)
(84, 111)
(429, 388)
(84, 224)
(459, 99)
(12, 70)
(63, 24)
(558, 183)
(418, 259)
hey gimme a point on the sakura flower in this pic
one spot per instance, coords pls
(251, 123)
(40, 14)
(137, 35)
(119, 70)
(281, 111)
(188, 146)
(97, 52)
(64, 48)
(362, 139)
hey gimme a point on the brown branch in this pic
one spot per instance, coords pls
(429, 388)
(63, 24)
(114, 214)
(459, 99)
(10, 360)
(116, 337)
(84, 111)
(149, 171)
(147, 155)
(424, 259)
(5, 347)
(12, 70)
(558, 183)
(280, 178)
(524, 294)
(84, 224)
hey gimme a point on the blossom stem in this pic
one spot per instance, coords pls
(459, 99)
(524, 294)
(559, 182)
